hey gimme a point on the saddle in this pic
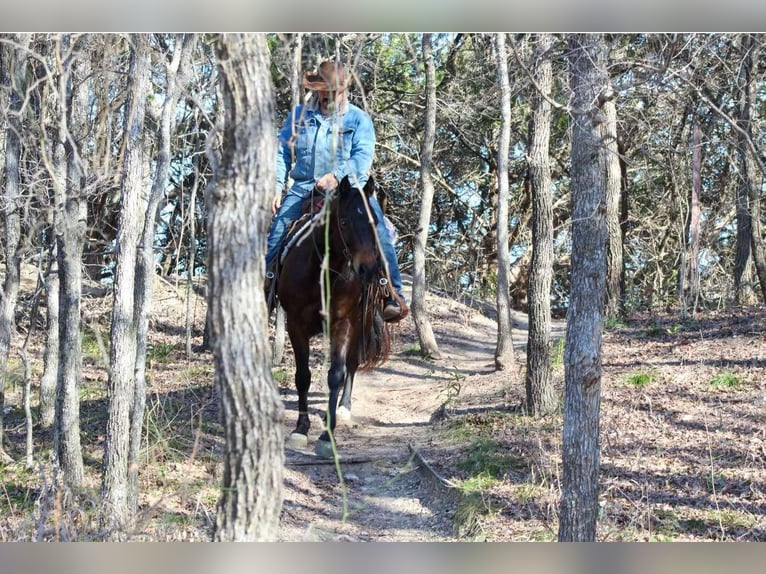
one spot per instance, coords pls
(310, 206)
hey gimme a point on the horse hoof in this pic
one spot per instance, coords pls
(297, 440)
(323, 448)
(343, 415)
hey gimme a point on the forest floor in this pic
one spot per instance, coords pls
(437, 450)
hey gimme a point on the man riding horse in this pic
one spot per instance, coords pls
(320, 143)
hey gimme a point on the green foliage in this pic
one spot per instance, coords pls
(677, 328)
(557, 353)
(485, 464)
(656, 330)
(486, 458)
(412, 350)
(460, 431)
(281, 377)
(161, 352)
(724, 380)
(474, 503)
(452, 390)
(95, 346)
(14, 372)
(614, 323)
(16, 489)
(640, 380)
(198, 372)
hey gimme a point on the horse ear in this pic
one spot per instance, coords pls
(369, 187)
(345, 185)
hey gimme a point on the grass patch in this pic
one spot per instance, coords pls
(16, 492)
(614, 323)
(487, 458)
(656, 330)
(474, 505)
(452, 389)
(94, 346)
(725, 380)
(485, 464)
(412, 350)
(168, 430)
(160, 353)
(460, 431)
(665, 523)
(640, 380)
(557, 353)
(92, 389)
(14, 373)
(281, 377)
(729, 519)
(527, 492)
(415, 350)
(198, 373)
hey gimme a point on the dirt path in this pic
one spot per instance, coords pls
(385, 495)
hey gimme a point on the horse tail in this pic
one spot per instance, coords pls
(376, 336)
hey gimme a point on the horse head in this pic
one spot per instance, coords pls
(356, 228)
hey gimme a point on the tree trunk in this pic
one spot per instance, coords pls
(428, 345)
(12, 76)
(744, 294)
(238, 218)
(692, 298)
(296, 91)
(614, 267)
(70, 229)
(750, 181)
(51, 353)
(176, 73)
(541, 397)
(116, 512)
(504, 358)
(582, 394)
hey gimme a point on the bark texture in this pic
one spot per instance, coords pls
(117, 514)
(541, 397)
(237, 201)
(504, 358)
(428, 345)
(582, 356)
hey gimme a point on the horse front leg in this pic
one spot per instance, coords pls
(336, 377)
(352, 362)
(299, 437)
(343, 414)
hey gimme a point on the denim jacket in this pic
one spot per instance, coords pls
(342, 144)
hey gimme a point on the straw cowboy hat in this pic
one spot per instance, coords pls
(330, 76)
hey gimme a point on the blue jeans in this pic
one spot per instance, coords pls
(290, 210)
(388, 248)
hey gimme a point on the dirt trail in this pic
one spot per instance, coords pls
(385, 495)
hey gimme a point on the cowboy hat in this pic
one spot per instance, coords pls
(330, 77)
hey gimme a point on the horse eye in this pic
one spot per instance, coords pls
(343, 222)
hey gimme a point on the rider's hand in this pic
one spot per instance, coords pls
(327, 182)
(275, 203)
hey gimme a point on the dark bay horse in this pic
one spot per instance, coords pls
(342, 297)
